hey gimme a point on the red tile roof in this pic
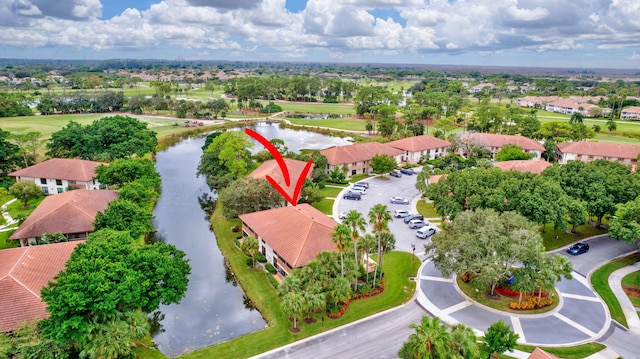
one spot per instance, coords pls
(272, 169)
(298, 234)
(23, 273)
(541, 354)
(419, 143)
(358, 152)
(499, 141)
(533, 166)
(603, 149)
(67, 212)
(60, 168)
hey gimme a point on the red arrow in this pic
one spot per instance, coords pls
(293, 199)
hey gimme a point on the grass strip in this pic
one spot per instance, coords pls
(600, 282)
(574, 352)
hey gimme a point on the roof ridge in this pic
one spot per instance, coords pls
(16, 263)
(23, 285)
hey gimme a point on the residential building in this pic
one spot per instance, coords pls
(576, 105)
(23, 274)
(290, 237)
(532, 166)
(419, 148)
(57, 175)
(71, 213)
(541, 354)
(630, 113)
(585, 151)
(494, 143)
(536, 101)
(272, 169)
(357, 157)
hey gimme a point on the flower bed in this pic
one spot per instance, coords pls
(529, 303)
(356, 297)
(507, 292)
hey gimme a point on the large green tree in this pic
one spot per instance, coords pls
(106, 278)
(124, 215)
(383, 163)
(626, 226)
(25, 191)
(512, 152)
(433, 340)
(125, 170)
(105, 139)
(227, 158)
(9, 158)
(487, 245)
(499, 338)
(247, 195)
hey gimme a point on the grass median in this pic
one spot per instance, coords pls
(398, 290)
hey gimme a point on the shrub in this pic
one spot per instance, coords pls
(249, 262)
(235, 228)
(260, 257)
(270, 268)
(272, 280)
(530, 303)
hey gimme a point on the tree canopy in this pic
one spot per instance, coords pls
(226, 159)
(107, 277)
(512, 152)
(383, 163)
(125, 170)
(106, 139)
(9, 158)
(247, 195)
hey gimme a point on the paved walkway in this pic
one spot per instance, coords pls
(630, 312)
(10, 222)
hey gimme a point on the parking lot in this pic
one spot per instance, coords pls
(380, 191)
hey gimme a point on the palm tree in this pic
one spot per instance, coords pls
(365, 244)
(293, 304)
(339, 235)
(329, 263)
(340, 290)
(356, 223)
(386, 243)
(464, 342)
(250, 246)
(114, 338)
(379, 217)
(312, 302)
(431, 340)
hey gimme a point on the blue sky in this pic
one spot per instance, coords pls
(543, 33)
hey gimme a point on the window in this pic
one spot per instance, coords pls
(58, 182)
(353, 172)
(43, 181)
(60, 190)
(45, 189)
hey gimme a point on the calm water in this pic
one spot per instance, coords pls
(214, 308)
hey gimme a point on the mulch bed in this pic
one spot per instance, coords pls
(632, 291)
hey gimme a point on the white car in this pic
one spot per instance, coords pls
(399, 200)
(401, 213)
(342, 215)
(359, 190)
(426, 231)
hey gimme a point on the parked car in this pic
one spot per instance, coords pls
(407, 171)
(362, 184)
(401, 213)
(352, 196)
(426, 231)
(418, 223)
(413, 216)
(396, 174)
(399, 200)
(342, 215)
(578, 248)
(359, 190)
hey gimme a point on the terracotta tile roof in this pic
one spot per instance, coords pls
(23, 273)
(60, 168)
(67, 212)
(541, 354)
(272, 169)
(499, 141)
(297, 233)
(436, 178)
(419, 143)
(533, 166)
(631, 109)
(603, 149)
(358, 152)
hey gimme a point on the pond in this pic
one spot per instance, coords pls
(214, 308)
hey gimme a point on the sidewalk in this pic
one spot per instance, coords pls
(9, 221)
(630, 312)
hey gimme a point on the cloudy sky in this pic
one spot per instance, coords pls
(547, 33)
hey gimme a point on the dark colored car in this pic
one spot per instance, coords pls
(352, 196)
(407, 171)
(362, 184)
(413, 216)
(578, 248)
(396, 174)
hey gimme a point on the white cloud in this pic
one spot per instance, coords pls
(338, 28)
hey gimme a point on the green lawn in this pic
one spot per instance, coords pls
(325, 206)
(331, 192)
(4, 243)
(574, 352)
(337, 123)
(599, 280)
(17, 210)
(632, 280)
(318, 107)
(427, 209)
(398, 290)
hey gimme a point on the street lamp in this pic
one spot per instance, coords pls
(413, 251)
